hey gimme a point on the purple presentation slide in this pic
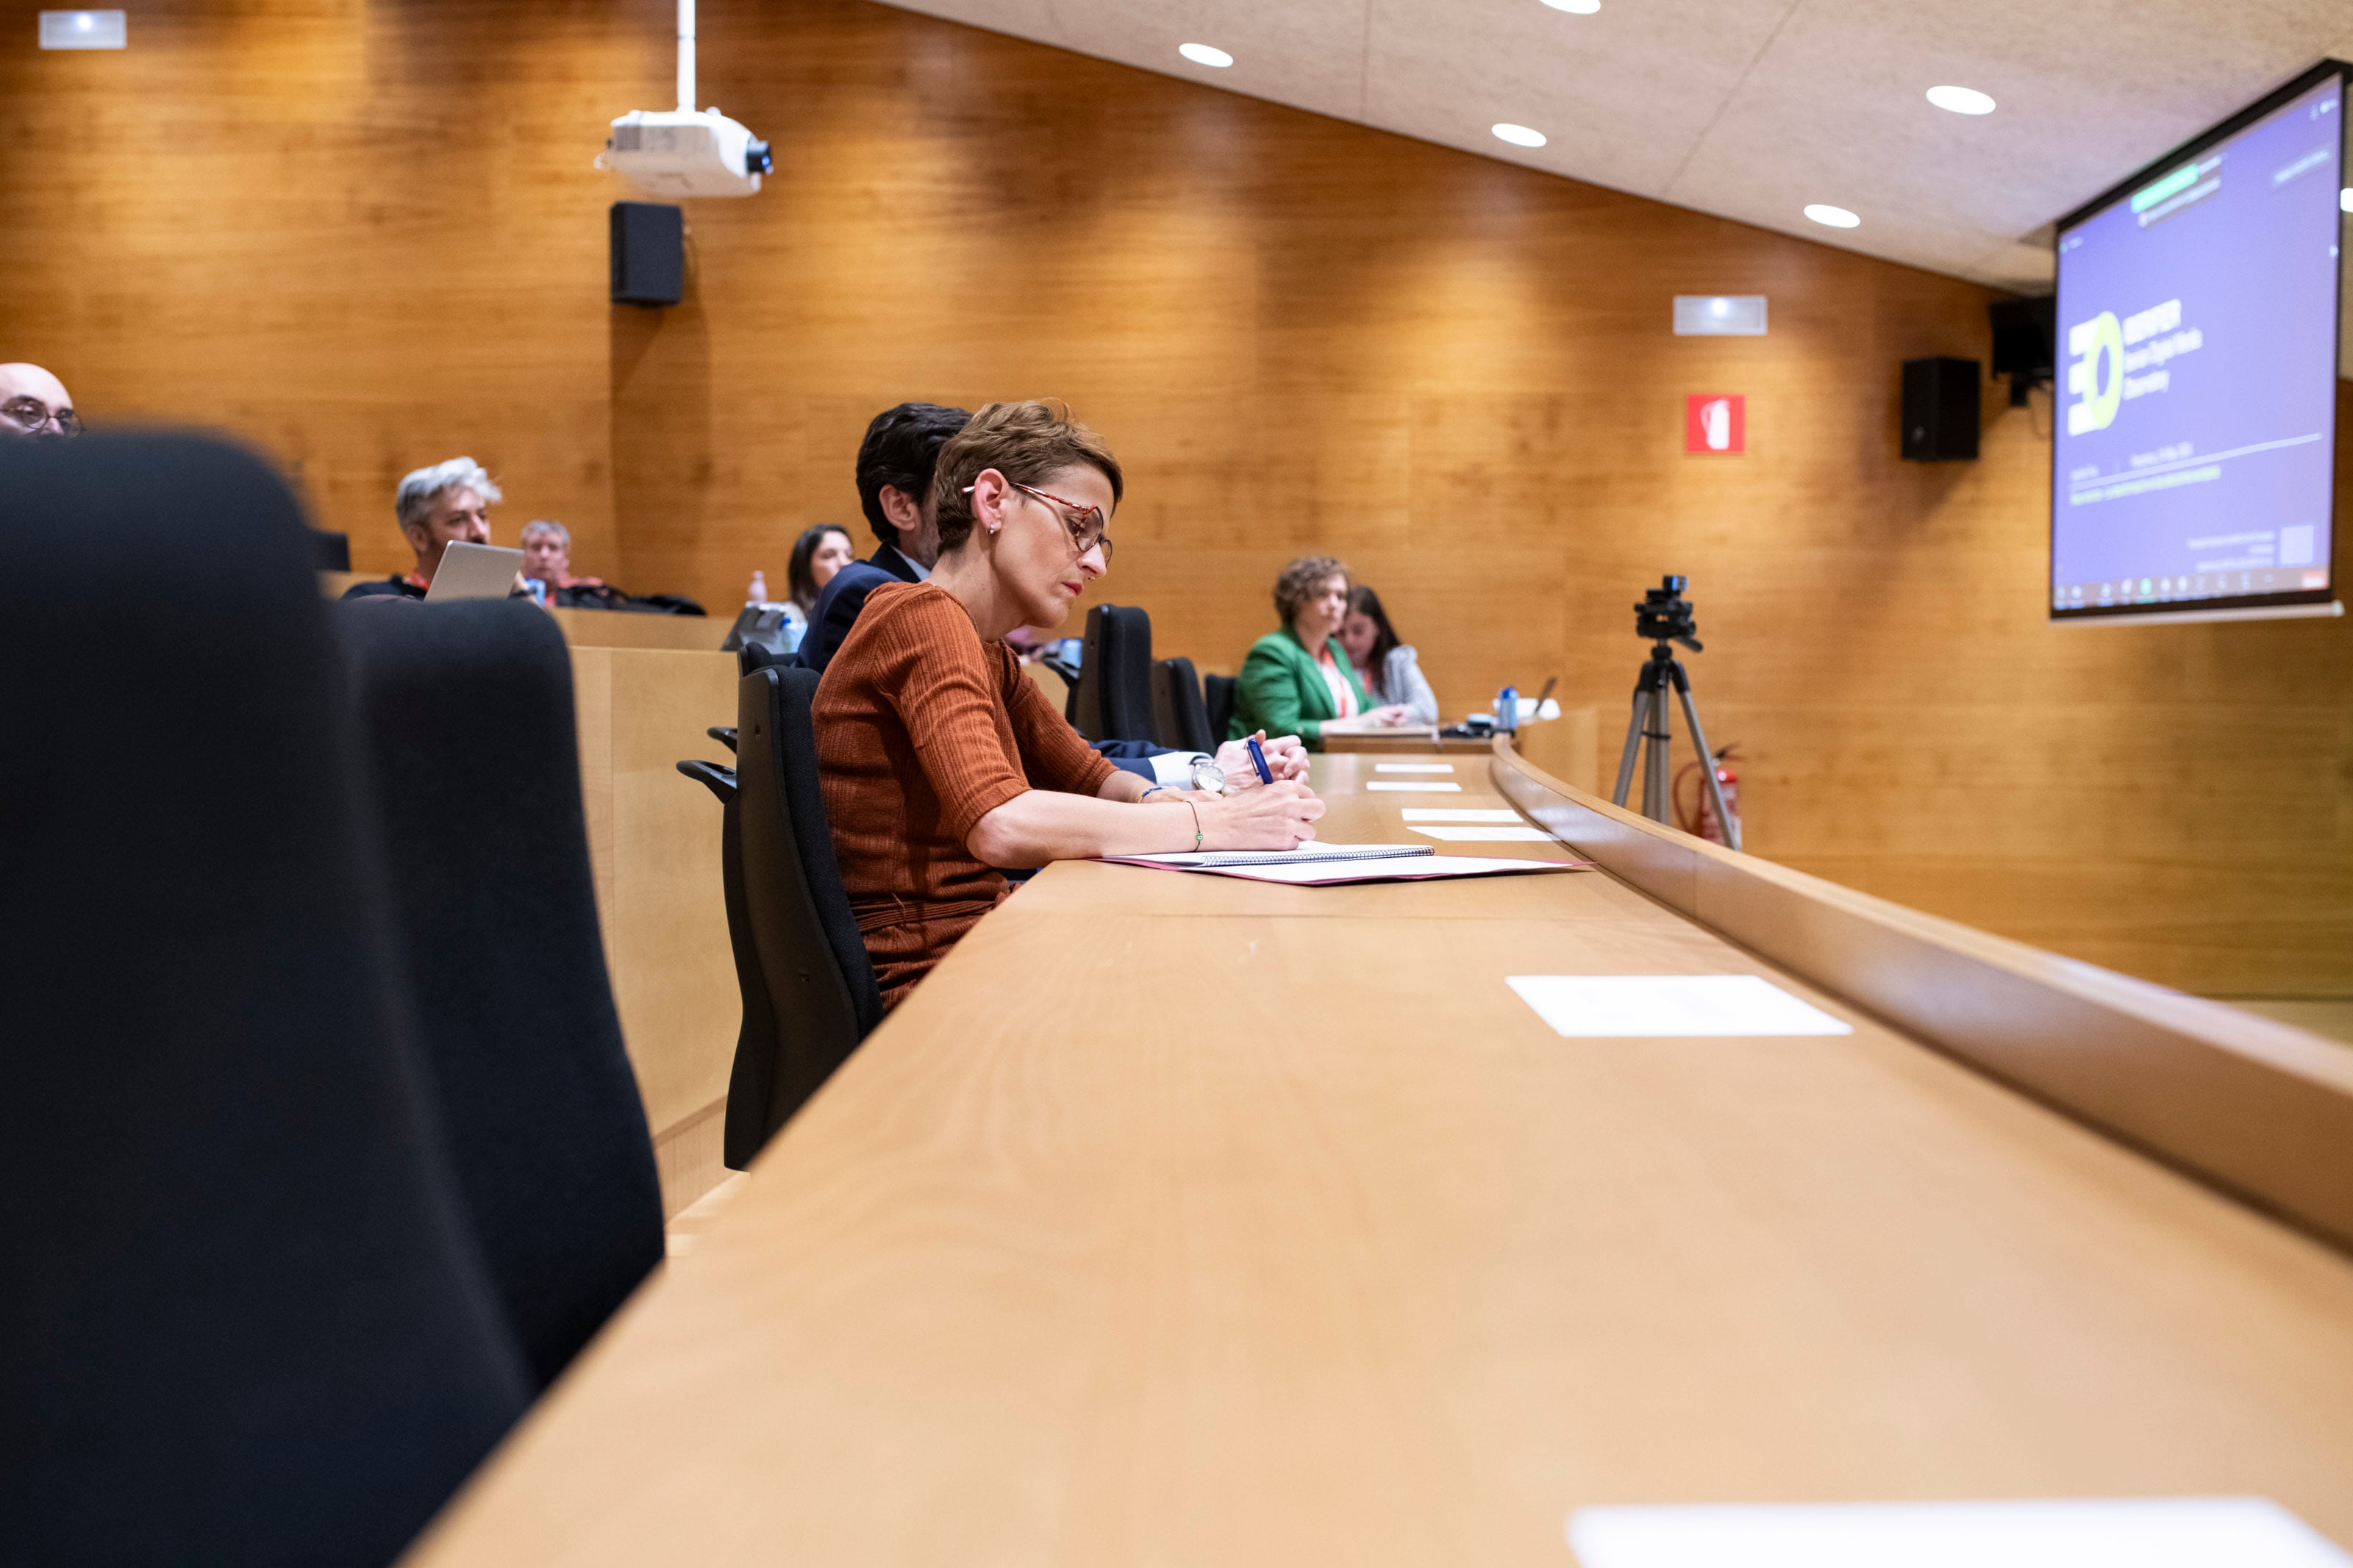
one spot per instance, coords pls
(2196, 409)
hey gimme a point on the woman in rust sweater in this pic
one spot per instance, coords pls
(941, 761)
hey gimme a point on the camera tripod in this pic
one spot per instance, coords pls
(1651, 729)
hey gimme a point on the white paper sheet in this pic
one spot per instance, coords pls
(1478, 834)
(2124, 1532)
(1455, 813)
(1671, 1006)
(1430, 786)
(1413, 767)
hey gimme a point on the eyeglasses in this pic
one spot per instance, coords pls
(30, 414)
(1087, 529)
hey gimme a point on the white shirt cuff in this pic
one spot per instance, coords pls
(1174, 768)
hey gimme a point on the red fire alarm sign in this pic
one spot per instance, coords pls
(1716, 423)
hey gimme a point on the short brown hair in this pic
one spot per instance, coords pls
(1026, 442)
(1301, 579)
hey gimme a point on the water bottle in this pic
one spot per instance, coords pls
(1507, 709)
(759, 589)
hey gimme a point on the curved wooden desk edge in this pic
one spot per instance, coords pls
(2260, 1109)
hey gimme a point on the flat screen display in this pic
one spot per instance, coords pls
(2193, 454)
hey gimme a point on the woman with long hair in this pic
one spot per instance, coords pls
(1389, 670)
(819, 554)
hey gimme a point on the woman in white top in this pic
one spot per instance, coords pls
(1389, 670)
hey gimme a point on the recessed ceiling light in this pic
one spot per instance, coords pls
(1960, 100)
(2345, 200)
(1576, 7)
(1836, 217)
(1519, 135)
(1203, 54)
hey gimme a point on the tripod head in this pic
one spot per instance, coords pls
(1664, 615)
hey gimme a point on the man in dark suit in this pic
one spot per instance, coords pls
(895, 463)
(895, 489)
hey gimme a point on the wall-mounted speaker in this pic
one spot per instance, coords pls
(1940, 409)
(649, 254)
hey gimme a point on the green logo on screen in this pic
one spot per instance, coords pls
(2096, 396)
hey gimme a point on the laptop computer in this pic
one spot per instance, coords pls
(474, 572)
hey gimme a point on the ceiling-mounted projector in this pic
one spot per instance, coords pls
(685, 152)
(680, 152)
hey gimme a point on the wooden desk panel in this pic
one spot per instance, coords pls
(1252, 1239)
(618, 628)
(653, 841)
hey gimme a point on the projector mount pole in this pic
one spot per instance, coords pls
(686, 56)
(1651, 733)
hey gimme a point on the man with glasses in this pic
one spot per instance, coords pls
(896, 463)
(35, 403)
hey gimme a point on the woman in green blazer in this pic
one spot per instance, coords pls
(1285, 688)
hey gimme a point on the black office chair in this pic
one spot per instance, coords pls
(1218, 693)
(818, 979)
(1180, 716)
(465, 711)
(248, 1322)
(756, 1039)
(763, 648)
(1113, 701)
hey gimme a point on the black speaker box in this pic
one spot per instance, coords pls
(649, 254)
(2024, 333)
(1940, 409)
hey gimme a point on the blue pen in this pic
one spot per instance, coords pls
(1258, 761)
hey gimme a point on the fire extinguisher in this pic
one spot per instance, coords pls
(1701, 817)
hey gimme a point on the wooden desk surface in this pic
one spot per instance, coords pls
(1190, 1221)
(1399, 744)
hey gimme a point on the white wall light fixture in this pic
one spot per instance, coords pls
(85, 31)
(1719, 315)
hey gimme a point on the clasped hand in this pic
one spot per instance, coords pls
(1285, 759)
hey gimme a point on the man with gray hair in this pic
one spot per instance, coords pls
(547, 560)
(446, 504)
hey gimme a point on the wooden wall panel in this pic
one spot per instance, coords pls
(363, 233)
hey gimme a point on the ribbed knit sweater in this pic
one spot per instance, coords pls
(922, 730)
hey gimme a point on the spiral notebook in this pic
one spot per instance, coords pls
(1307, 853)
(1316, 865)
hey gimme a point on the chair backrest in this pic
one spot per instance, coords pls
(754, 654)
(249, 1321)
(1181, 716)
(465, 711)
(1113, 701)
(819, 977)
(756, 1039)
(1218, 693)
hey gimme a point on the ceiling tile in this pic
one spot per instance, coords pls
(1751, 108)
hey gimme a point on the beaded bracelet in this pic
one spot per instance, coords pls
(1196, 826)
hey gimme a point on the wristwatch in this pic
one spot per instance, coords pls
(1207, 775)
